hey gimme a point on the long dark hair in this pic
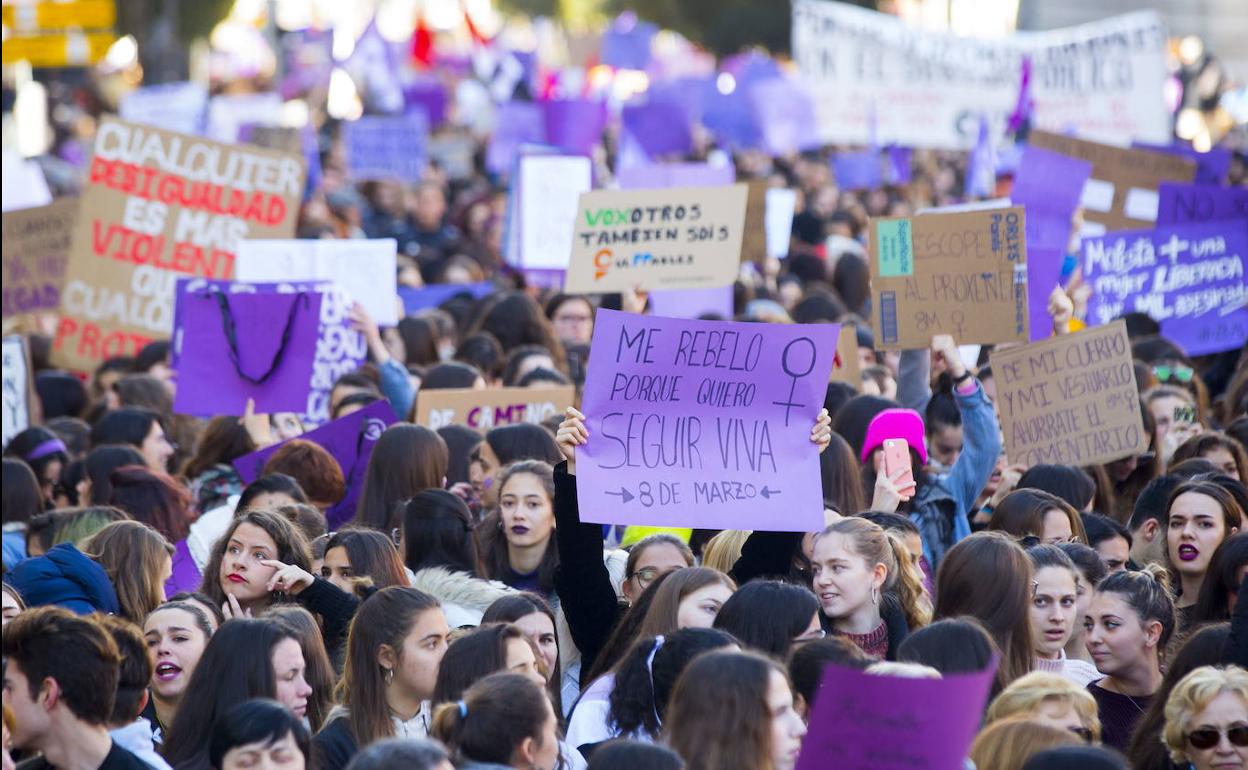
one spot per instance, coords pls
(437, 532)
(22, 496)
(320, 672)
(124, 426)
(523, 441)
(1221, 580)
(406, 460)
(292, 548)
(372, 556)
(237, 665)
(255, 721)
(511, 608)
(100, 464)
(498, 713)
(645, 678)
(492, 545)
(767, 615)
(957, 645)
(842, 485)
(223, 441)
(153, 498)
(475, 656)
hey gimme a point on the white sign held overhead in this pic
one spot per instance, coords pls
(549, 188)
(16, 386)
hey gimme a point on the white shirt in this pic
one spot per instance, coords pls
(136, 738)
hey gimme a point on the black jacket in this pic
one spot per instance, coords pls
(334, 745)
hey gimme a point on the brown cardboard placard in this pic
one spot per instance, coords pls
(845, 366)
(1070, 400)
(754, 239)
(156, 206)
(1122, 192)
(35, 247)
(673, 238)
(282, 138)
(492, 407)
(962, 273)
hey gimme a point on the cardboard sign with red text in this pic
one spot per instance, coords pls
(157, 206)
(485, 409)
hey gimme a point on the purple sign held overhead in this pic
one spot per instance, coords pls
(785, 114)
(867, 721)
(517, 124)
(429, 96)
(386, 147)
(1179, 203)
(434, 294)
(661, 128)
(626, 43)
(574, 125)
(1211, 167)
(1049, 185)
(692, 303)
(703, 423)
(1189, 277)
(857, 170)
(350, 440)
(675, 175)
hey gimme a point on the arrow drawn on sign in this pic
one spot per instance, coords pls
(767, 493)
(623, 493)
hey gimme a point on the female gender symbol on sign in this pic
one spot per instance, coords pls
(784, 363)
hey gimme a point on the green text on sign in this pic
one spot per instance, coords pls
(895, 247)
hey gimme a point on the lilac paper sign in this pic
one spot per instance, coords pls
(427, 95)
(692, 303)
(785, 115)
(1049, 185)
(626, 46)
(417, 299)
(1189, 277)
(703, 423)
(517, 124)
(387, 147)
(675, 175)
(1179, 203)
(660, 128)
(574, 125)
(867, 721)
(857, 170)
(350, 440)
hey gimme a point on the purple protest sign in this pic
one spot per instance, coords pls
(1179, 203)
(417, 299)
(516, 124)
(626, 43)
(857, 170)
(898, 170)
(867, 721)
(675, 175)
(429, 96)
(785, 115)
(1049, 185)
(661, 128)
(1211, 167)
(1189, 277)
(574, 125)
(703, 423)
(387, 147)
(692, 303)
(350, 440)
(728, 116)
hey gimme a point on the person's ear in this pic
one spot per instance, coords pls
(143, 700)
(526, 753)
(878, 576)
(49, 694)
(799, 705)
(1152, 633)
(1150, 529)
(626, 588)
(386, 657)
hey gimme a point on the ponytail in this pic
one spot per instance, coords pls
(447, 723)
(493, 719)
(1147, 591)
(906, 581)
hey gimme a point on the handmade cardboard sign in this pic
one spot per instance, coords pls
(1189, 277)
(491, 408)
(845, 366)
(35, 247)
(703, 423)
(157, 205)
(1181, 203)
(18, 389)
(1070, 400)
(364, 269)
(963, 274)
(754, 239)
(677, 238)
(1122, 192)
(350, 440)
(867, 721)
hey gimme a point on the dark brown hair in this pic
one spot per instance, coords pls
(1021, 514)
(76, 652)
(717, 718)
(475, 656)
(320, 672)
(498, 713)
(134, 672)
(406, 459)
(153, 498)
(316, 470)
(372, 556)
(292, 548)
(132, 555)
(223, 440)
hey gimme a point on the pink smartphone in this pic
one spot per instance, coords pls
(897, 457)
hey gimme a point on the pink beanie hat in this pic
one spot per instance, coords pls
(895, 423)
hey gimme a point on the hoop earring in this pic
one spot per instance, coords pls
(389, 676)
(874, 597)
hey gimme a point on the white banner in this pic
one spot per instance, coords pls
(928, 89)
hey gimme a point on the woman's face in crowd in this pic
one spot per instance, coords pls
(422, 652)
(282, 754)
(521, 660)
(1115, 636)
(1056, 527)
(481, 472)
(156, 449)
(541, 631)
(242, 575)
(336, 568)
(843, 581)
(699, 608)
(655, 560)
(1227, 710)
(1194, 531)
(1224, 460)
(945, 444)
(1054, 604)
(292, 689)
(10, 609)
(175, 642)
(787, 727)
(1162, 410)
(286, 425)
(1114, 553)
(574, 322)
(528, 518)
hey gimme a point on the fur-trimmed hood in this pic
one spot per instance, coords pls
(464, 598)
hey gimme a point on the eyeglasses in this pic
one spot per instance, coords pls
(1177, 372)
(647, 575)
(1208, 737)
(1082, 732)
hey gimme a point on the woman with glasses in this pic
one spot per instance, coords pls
(1049, 699)
(1176, 416)
(1035, 513)
(1054, 613)
(1207, 719)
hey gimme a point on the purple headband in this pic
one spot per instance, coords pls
(48, 447)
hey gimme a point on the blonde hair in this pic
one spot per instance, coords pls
(1028, 693)
(1192, 694)
(879, 546)
(905, 670)
(132, 554)
(722, 551)
(1008, 744)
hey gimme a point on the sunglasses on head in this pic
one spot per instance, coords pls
(1177, 372)
(1083, 732)
(1208, 737)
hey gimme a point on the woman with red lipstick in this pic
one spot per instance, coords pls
(1054, 611)
(1201, 515)
(517, 540)
(247, 658)
(237, 575)
(176, 634)
(1129, 624)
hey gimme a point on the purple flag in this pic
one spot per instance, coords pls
(675, 175)
(660, 128)
(703, 423)
(626, 43)
(385, 147)
(867, 721)
(728, 116)
(350, 440)
(516, 124)
(574, 125)
(1211, 167)
(230, 347)
(1179, 203)
(434, 294)
(1189, 277)
(785, 115)
(692, 303)
(427, 95)
(1049, 185)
